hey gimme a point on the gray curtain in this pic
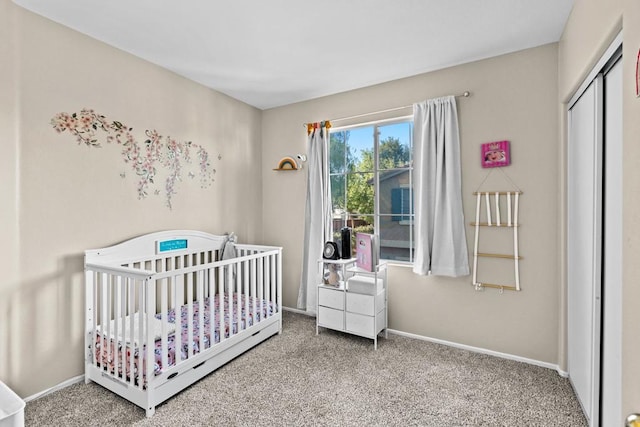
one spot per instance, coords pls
(441, 244)
(317, 228)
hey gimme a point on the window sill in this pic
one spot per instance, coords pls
(395, 263)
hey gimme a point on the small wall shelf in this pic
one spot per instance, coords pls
(287, 164)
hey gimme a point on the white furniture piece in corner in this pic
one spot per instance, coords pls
(361, 310)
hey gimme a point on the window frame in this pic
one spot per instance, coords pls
(376, 180)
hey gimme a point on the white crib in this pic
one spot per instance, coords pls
(140, 295)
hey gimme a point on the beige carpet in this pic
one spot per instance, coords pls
(334, 379)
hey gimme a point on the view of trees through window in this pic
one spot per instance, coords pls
(371, 185)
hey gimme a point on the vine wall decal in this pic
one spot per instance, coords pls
(144, 158)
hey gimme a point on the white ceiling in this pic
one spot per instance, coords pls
(273, 53)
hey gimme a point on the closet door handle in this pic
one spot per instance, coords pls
(633, 420)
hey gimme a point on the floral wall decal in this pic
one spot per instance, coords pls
(144, 158)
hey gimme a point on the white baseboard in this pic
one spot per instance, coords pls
(60, 386)
(297, 310)
(547, 365)
(483, 351)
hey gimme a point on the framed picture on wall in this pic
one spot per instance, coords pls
(495, 154)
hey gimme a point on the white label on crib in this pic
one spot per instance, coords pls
(171, 245)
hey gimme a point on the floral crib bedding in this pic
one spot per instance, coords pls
(106, 351)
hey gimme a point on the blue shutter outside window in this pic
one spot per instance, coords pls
(401, 204)
(396, 204)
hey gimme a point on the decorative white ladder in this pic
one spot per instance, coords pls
(512, 201)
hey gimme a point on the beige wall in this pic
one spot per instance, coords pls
(59, 198)
(514, 97)
(592, 25)
(8, 187)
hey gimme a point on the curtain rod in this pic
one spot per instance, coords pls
(465, 94)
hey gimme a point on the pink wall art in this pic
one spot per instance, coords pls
(495, 154)
(155, 157)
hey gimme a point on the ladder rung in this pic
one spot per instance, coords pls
(491, 193)
(491, 285)
(486, 224)
(498, 256)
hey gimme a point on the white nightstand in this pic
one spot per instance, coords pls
(361, 311)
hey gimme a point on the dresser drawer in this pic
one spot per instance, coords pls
(331, 318)
(367, 326)
(360, 324)
(364, 304)
(333, 298)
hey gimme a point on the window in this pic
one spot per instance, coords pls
(371, 169)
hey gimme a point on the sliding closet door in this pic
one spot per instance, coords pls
(584, 232)
(612, 254)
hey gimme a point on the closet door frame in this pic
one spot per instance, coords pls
(596, 377)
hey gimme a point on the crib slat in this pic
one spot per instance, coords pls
(237, 307)
(279, 288)
(204, 291)
(177, 309)
(150, 311)
(210, 283)
(190, 299)
(274, 281)
(229, 282)
(132, 310)
(107, 317)
(165, 285)
(127, 361)
(180, 284)
(200, 319)
(221, 329)
(254, 263)
(94, 326)
(120, 325)
(267, 287)
(261, 286)
(497, 197)
(100, 315)
(237, 284)
(142, 307)
(245, 281)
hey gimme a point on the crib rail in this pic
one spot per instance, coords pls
(148, 318)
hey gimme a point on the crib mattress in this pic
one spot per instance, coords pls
(105, 348)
